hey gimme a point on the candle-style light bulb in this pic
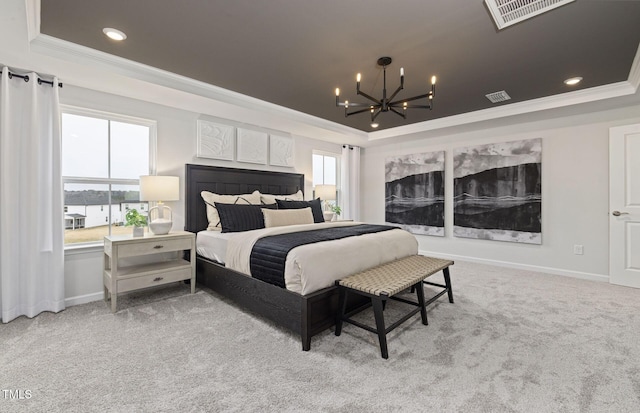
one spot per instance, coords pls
(402, 71)
(358, 77)
(337, 91)
(433, 80)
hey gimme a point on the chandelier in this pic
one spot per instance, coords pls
(386, 104)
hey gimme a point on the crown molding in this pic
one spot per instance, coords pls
(62, 49)
(634, 73)
(577, 97)
(72, 52)
(33, 18)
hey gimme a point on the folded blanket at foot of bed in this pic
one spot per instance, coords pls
(269, 254)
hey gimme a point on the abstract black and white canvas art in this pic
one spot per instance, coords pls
(498, 191)
(414, 192)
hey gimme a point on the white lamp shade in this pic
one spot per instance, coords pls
(159, 188)
(326, 192)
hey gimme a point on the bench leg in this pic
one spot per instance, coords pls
(382, 333)
(342, 307)
(447, 282)
(423, 309)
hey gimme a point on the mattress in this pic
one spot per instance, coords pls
(212, 245)
(312, 267)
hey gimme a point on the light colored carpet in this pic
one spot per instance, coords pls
(514, 341)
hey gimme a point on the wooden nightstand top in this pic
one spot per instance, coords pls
(148, 237)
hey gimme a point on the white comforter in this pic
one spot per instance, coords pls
(312, 267)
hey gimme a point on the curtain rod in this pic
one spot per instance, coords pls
(26, 79)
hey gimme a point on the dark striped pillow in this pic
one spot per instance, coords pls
(238, 218)
(315, 205)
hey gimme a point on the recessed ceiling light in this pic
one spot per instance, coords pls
(374, 124)
(573, 81)
(114, 34)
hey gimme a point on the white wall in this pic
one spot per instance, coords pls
(176, 146)
(575, 192)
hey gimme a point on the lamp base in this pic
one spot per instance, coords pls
(160, 226)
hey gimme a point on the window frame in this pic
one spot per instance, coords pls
(338, 158)
(110, 117)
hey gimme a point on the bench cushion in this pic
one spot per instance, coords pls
(391, 278)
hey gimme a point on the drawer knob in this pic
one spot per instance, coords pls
(158, 279)
(157, 247)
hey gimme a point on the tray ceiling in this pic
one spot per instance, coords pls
(295, 53)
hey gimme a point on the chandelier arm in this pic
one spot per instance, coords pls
(377, 101)
(419, 106)
(395, 93)
(375, 114)
(347, 114)
(402, 101)
(404, 116)
(355, 104)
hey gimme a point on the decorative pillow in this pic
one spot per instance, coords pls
(315, 206)
(283, 217)
(212, 213)
(237, 218)
(270, 199)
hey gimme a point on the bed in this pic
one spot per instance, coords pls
(305, 315)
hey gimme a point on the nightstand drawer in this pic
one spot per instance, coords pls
(154, 247)
(135, 283)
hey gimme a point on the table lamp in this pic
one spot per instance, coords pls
(159, 188)
(326, 193)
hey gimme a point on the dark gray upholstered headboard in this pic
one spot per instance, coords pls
(230, 181)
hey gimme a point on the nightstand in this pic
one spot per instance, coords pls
(153, 260)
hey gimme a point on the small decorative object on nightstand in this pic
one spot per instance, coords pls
(159, 188)
(158, 267)
(137, 221)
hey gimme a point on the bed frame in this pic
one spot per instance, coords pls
(306, 315)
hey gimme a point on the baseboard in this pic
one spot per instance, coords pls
(527, 267)
(83, 299)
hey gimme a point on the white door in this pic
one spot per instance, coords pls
(624, 205)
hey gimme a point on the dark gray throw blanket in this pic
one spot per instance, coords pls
(269, 254)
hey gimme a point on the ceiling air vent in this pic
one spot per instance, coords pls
(508, 12)
(496, 97)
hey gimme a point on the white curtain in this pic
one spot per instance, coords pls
(31, 204)
(350, 182)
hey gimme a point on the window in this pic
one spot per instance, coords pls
(325, 170)
(103, 156)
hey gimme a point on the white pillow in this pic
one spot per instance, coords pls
(283, 217)
(212, 213)
(271, 199)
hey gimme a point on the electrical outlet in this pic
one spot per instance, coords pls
(578, 249)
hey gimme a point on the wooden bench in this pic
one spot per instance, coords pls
(384, 282)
